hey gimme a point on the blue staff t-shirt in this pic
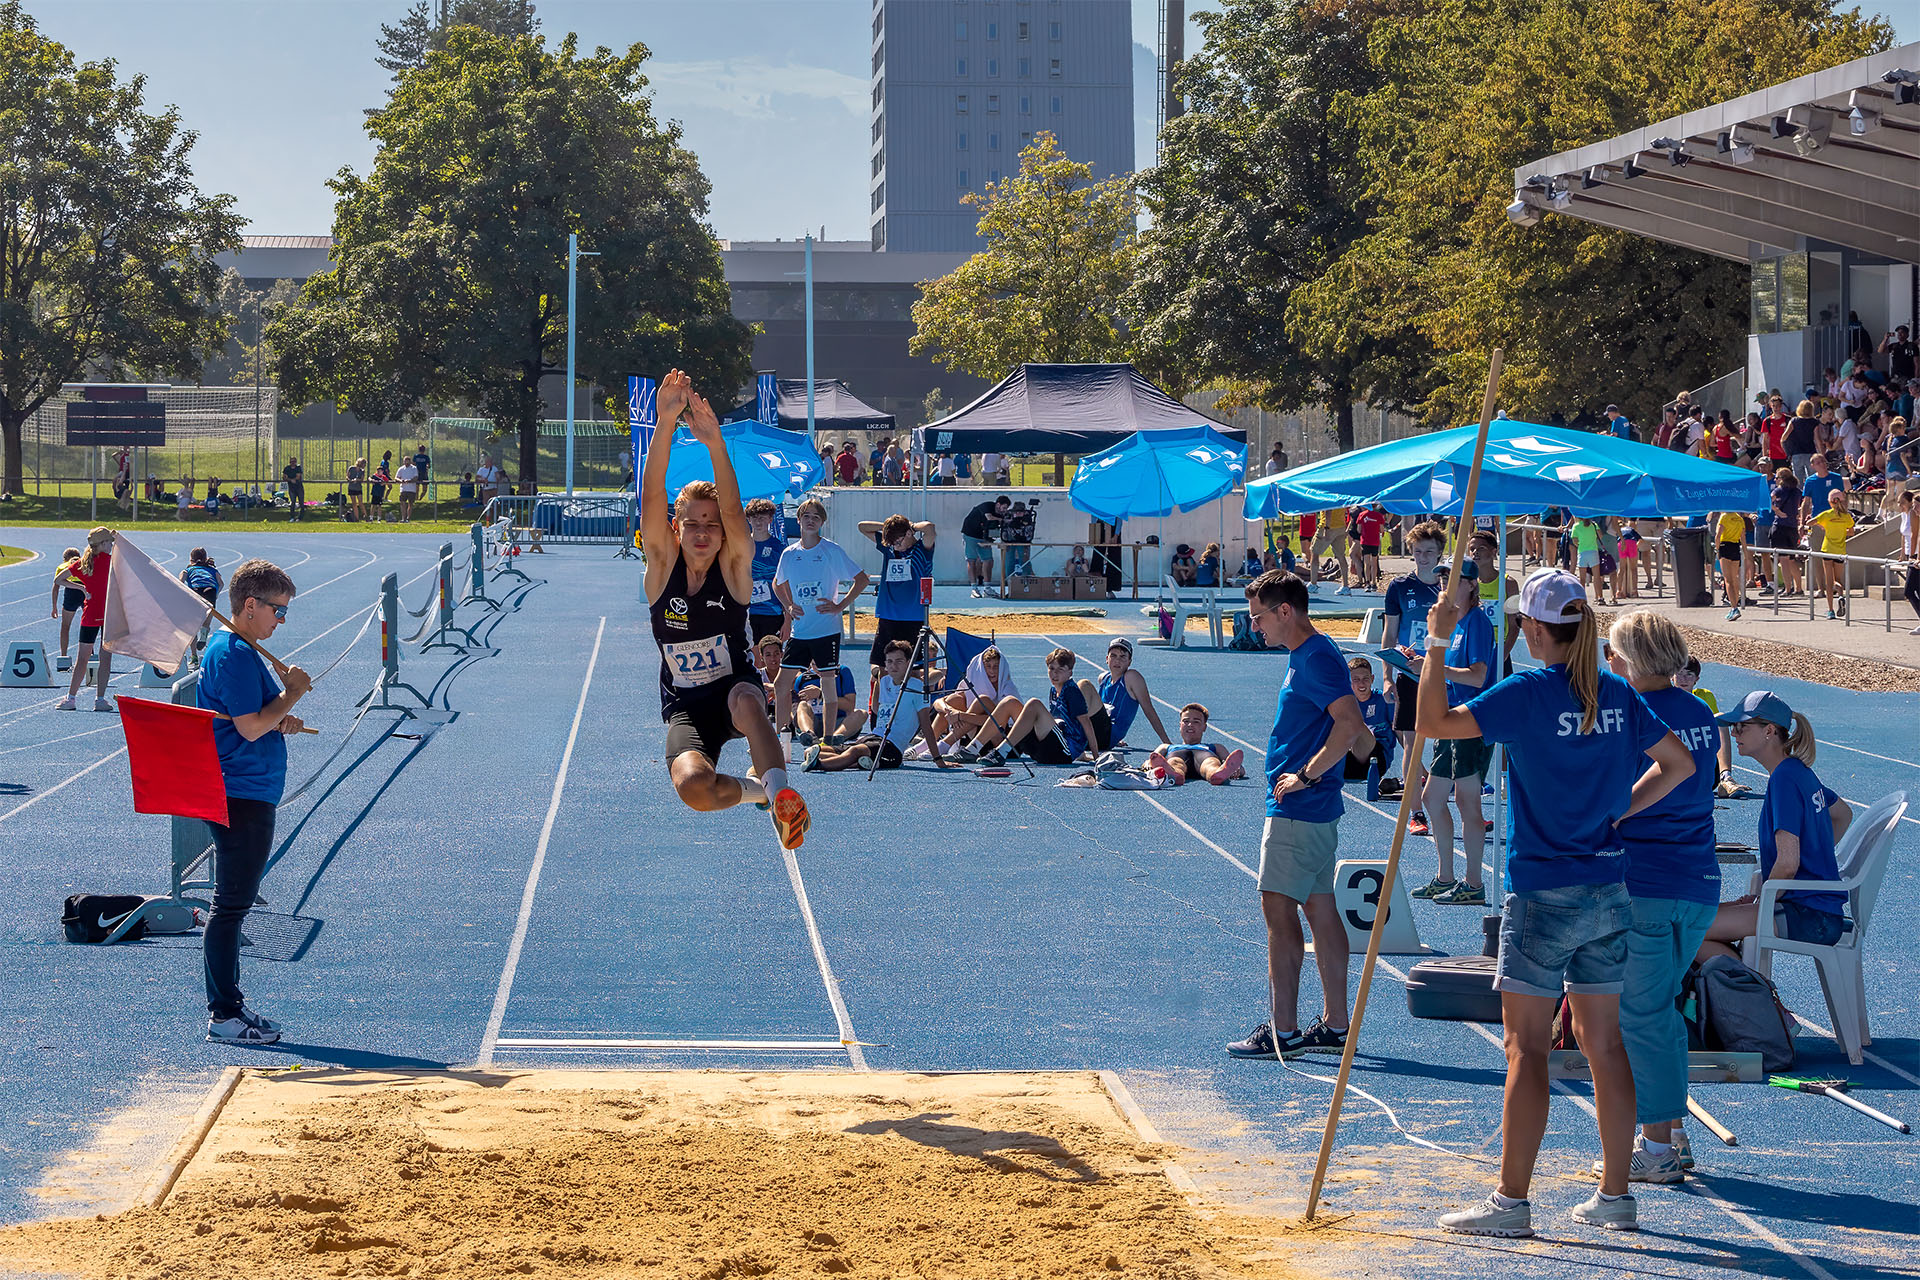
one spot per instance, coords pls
(1568, 788)
(234, 681)
(1472, 642)
(1796, 803)
(900, 575)
(1670, 845)
(1411, 599)
(766, 563)
(1316, 679)
(1818, 487)
(1068, 704)
(1379, 717)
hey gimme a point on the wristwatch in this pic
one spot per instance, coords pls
(1309, 779)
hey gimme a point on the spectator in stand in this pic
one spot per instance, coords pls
(1833, 524)
(1818, 484)
(1898, 457)
(1724, 441)
(1798, 438)
(1902, 353)
(1774, 428)
(1788, 501)
(1753, 437)
(1854, 393)
(1681, 405)
(1617, 423)
(1907, 401)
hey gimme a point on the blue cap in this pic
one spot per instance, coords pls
(1761, 704)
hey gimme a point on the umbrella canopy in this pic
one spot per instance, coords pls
(1061, 408)
(768, 461)
(1153, 473)
(1529, 467)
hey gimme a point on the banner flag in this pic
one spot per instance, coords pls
(767, 401)
(640, 420)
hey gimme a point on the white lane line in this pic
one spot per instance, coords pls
(32, 557)
(1806, 1263)
(492, 1036)
(1868, 1054)
(840, 1016)
(1841, 746)
(1195, 833)
(373, 557)
(86, 733)
(61, 785)
(743, 1046)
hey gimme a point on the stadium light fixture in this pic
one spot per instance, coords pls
(1906, 86)
(1631, 169)
(1781, 127)
(1730, 149)
(1862, 119)
(1675, 148)
(1522, 214)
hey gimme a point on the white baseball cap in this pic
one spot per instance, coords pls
(1549, 595)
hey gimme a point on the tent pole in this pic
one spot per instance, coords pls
(1499, 772)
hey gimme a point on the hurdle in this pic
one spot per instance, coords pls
(445, 605)
(506, 549)
(390, 655)
(477, 569)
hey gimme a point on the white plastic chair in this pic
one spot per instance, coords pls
(1863, 855)
(1192, 602)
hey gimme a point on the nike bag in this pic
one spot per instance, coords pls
(1736, 1010)
(90, 917)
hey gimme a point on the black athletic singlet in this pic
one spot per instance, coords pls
(703, 640)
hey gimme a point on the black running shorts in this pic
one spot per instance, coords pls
(888, 630)
(822, 653)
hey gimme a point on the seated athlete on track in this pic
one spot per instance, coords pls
(1057, 731)
(1193, 757)
(699, 579)
(1122, 694)
(809, 711)
(1378, 714)
(989, 681)
(913, 718)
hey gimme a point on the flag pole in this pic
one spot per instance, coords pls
(1406, 812)
(278, 666)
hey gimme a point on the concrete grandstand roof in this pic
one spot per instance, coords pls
(1830, 159)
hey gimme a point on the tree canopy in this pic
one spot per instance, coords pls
(450, 256)
(106, 245)
(1048, 285)
(404, 46)
(1258, 191)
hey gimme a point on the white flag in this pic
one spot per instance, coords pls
(151, 615)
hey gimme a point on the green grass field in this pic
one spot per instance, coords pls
(74, 510)
(12, 555)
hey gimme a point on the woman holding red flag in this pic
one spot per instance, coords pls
(236, 682)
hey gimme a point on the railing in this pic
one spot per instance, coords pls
(1728, 392)
(554, 518)
(1866, 564)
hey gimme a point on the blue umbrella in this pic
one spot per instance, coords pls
(769, 462)
(1153, 473)
(1529, 467)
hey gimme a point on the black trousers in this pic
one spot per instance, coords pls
(1912, 589)
(239, 860)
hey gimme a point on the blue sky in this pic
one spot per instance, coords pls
(772, 93)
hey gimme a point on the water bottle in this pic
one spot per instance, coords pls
(1373, 779)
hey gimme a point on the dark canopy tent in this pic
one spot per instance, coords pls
(1062, 408)
(835, 408)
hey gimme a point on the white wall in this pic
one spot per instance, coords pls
(1058, 522)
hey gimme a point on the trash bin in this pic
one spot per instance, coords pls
(1692, 584)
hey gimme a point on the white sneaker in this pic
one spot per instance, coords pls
(240, 1031)
(976, 593)
(65, 704)
(1344, 591)
(1489, 1219)
(103, 704)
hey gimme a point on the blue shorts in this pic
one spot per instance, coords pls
(979, 550)
(1572, 939)
(1798, 922)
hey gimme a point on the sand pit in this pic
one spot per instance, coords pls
(1017, 624)
(686, 1174)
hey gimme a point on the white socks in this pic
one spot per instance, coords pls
(775, 781)
(751, 791)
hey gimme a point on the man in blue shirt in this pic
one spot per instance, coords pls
(906, 582)
(1461, 763)
(251, 742)
(1819, 483)
(765, 617)
(1617, 423)
(1317, 721)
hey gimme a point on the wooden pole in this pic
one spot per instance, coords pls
(278, 666)
(1406, 812)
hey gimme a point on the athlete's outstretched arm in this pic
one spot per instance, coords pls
(656, 504)
(705, 426)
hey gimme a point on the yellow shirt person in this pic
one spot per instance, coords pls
(1835, 523)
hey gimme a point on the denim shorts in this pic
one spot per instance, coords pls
(1798, 922)
(978, 549)
(1571, 939)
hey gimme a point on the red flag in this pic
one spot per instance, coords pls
(175, 767)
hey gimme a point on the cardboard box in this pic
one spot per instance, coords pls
(1025, 587)
(1090, 586)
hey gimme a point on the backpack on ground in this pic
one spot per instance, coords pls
(1246, 636)
(91, 917)
(1734, 1009)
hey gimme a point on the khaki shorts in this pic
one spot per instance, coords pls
(1296, 858)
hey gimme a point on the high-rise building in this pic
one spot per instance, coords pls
(960, 87)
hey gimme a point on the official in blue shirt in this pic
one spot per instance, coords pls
(1673, 873)
(765, 617)
(1317, 722)
(1577, 740)
(906, 560)
(1459, 764)
(1800, 823)
(251, 743)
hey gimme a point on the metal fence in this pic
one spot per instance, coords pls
(605, 519)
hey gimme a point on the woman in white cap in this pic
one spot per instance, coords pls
(1800, 822)
(1578, 740)
(1673, 875)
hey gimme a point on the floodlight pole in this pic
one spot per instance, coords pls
(809, 268)
(573, 273)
